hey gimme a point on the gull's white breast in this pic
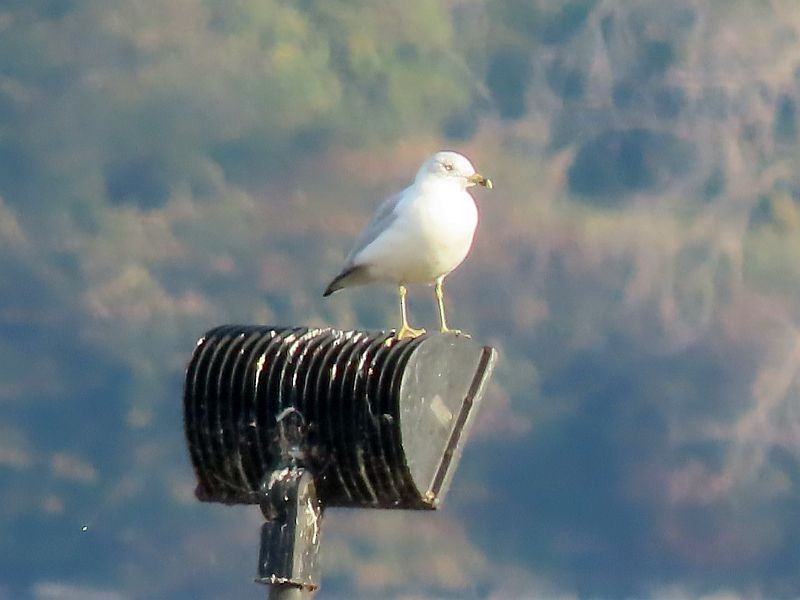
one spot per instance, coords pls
(430, 237)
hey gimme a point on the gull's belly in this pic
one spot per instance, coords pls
(428, 241)
(425, 259)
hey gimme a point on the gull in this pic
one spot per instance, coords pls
(418, 235)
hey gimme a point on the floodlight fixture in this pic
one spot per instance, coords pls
(300, 419)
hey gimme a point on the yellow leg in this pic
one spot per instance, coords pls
(405, 330)
(440, 301)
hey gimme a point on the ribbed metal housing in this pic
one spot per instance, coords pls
(381, 424)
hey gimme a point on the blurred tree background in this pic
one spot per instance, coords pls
(168, 166)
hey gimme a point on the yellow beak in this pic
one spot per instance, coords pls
(479, 179)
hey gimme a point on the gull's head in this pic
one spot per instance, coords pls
(451, 166)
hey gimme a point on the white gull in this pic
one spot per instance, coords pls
(418, 235)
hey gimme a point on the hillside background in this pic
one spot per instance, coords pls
(166, 166)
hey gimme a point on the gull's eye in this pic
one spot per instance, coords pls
(448, 167)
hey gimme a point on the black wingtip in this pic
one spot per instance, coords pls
(333, 286)
(337, 282)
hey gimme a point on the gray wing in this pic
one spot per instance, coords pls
(383, 218)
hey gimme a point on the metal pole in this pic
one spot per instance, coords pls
(277, 592)
(289, 557)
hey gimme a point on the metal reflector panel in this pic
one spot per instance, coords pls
(380, 423)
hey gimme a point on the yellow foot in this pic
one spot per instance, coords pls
(454, 332)
(408, 333)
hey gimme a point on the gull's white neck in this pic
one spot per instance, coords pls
(447, 185)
